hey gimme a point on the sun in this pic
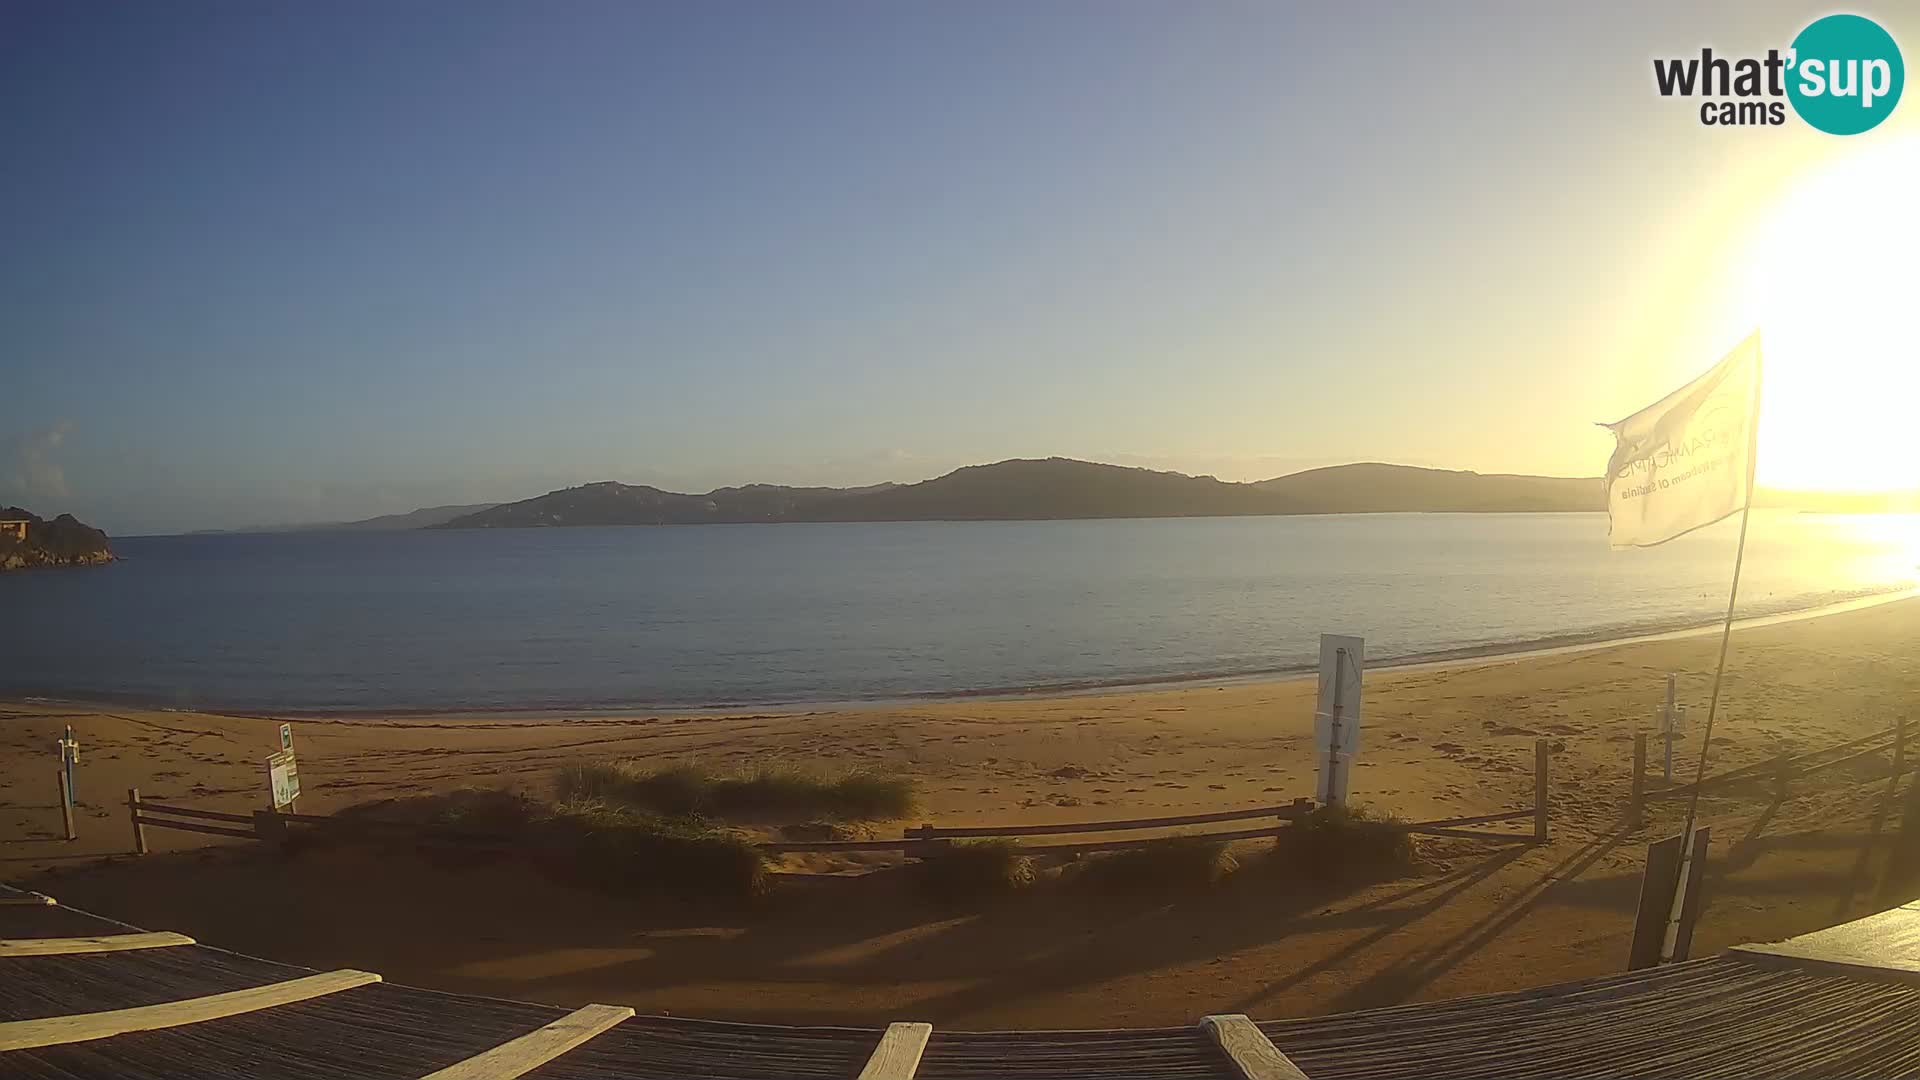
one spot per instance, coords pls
(1834, 288)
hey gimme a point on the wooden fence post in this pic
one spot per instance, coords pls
(920, 842)
(1782, 769)
(1637, 805)
(1541, 758)
(139, 830)
(269, 826)
(66, 801)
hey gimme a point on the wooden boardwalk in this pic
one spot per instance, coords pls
(75, 1002)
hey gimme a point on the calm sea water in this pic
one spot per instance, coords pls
(732, 614)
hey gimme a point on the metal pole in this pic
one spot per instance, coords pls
(1636, 808)
(1668, 732)
(66, 803)
(1713, 700)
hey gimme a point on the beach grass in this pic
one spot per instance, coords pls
(973, 869)
(1341, 842)
(1172, 864)
(493, 811)
(621, 849)
(609, 846)
(767, 791)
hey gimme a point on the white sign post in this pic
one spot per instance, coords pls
(1336, 714)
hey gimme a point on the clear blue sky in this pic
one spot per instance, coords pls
(280, 262)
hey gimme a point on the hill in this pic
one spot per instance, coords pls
(424, 518)
(1027, 489)
(610, 503)
(1035, 489)
(1372, 488)
(63, 541)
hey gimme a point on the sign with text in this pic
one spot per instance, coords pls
(286, 736)
(1342, 660)
(1686, 461)
(283, 776)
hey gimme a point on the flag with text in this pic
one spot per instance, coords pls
(1686, 460)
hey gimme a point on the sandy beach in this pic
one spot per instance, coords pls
(836, 946)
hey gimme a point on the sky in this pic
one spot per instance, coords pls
(278, 262)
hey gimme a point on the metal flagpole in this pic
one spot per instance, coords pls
(1713, 702)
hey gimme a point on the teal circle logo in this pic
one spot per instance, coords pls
(1845, 74)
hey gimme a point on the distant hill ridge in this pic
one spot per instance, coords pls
(425, 517)
(1054, 488)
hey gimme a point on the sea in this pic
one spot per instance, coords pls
(686, 617)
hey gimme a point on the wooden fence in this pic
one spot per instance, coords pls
(1777, 771)
(917, 842)
(929, 839)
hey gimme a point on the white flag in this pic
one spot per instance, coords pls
(1686, 461)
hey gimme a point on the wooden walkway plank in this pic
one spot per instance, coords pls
(68, 946)
(1885, 945)
(536, 1048)
(81, 1027)
(897, 1056)
(1297, 808)
(1253, 1055)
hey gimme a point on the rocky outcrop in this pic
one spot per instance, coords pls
(62, 541)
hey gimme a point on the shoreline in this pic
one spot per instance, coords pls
(1437, 660)
(854, 939)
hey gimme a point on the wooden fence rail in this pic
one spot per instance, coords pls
(146, 814)
(929, 839)
(920, 841)
(148, 806)
(1779, 771)
(1298, 808)
(1476, 819)
(1078, 846)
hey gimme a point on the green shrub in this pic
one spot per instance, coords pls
(477, 810)
(679, 790)
(863, 793)
(968, 870)
(818, 830)
(772, 790)
(1172, 864)
(618, 848)
(1343, 841)
(604, 844)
